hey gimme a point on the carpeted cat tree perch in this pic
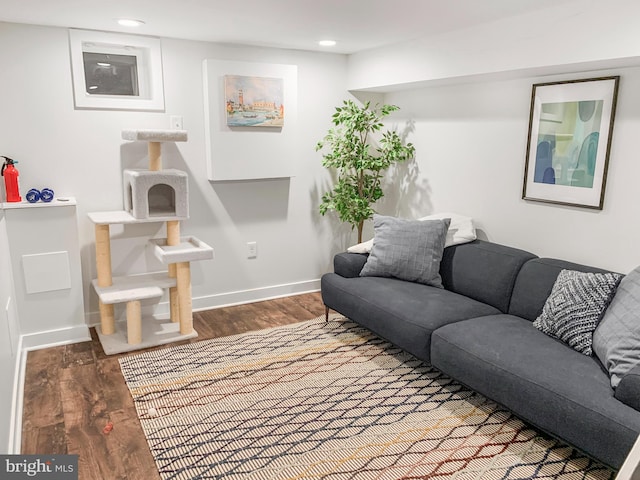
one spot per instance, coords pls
(153, 195)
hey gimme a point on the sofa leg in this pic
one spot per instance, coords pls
(326, 313)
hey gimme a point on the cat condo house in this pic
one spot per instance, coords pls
(153, 195)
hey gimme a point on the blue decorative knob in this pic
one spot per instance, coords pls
(46, 195)
(33, 195)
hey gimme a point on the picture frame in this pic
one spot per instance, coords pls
(113, 71)
(569, 141)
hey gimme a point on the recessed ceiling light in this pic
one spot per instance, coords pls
(327, 43)
(129, 22)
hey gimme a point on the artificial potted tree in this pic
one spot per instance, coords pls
(359, 160)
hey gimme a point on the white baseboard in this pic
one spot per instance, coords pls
(228, 299)
(53, 338)
(26, 343)
(15, 429)
(241, 297)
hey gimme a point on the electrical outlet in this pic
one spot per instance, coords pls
(176, 122)
(252, 249)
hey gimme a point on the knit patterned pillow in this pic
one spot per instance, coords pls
(575, 306)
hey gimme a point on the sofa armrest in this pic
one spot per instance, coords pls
(348, 265)
(628, 390)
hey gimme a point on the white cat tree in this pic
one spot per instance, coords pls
(153, 195)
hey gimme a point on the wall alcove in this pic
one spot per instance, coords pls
(246, 153)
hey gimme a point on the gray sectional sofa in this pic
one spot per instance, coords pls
(479, 330)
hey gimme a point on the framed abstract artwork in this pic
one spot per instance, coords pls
(570, 131)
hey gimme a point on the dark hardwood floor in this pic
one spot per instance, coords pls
(73, 391)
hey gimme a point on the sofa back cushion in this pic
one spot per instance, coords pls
(535, 283)
(482, 270)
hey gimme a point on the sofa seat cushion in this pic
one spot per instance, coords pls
(405, 313)
(540, 379)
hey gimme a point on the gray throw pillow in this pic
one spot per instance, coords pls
(407, 249)
(575, 306)
(616, 341)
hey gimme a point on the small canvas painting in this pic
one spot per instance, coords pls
(254, 101)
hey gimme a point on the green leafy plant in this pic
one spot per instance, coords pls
(359, 161)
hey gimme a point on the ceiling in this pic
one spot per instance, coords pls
(298, 24)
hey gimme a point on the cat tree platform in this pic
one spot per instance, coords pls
(153, 331)
(134, 287)
(133, 333)
(151, 135)
(190, 249)
(155, 139)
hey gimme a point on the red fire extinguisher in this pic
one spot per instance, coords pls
(10, 175)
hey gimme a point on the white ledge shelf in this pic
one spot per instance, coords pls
(56, 202)
(190, 249)
(123, 217)
(134, 287)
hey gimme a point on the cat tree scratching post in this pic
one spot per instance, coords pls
(153, 195)
(179, 296)
(155, 156)
(103, 264)
(173, 239)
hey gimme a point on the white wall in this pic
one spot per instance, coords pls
(570, 37)
(9, 344)
(80, 153)
(471, 142)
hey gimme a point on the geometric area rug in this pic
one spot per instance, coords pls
(329, 400)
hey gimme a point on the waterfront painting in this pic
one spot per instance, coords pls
(254, 101)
